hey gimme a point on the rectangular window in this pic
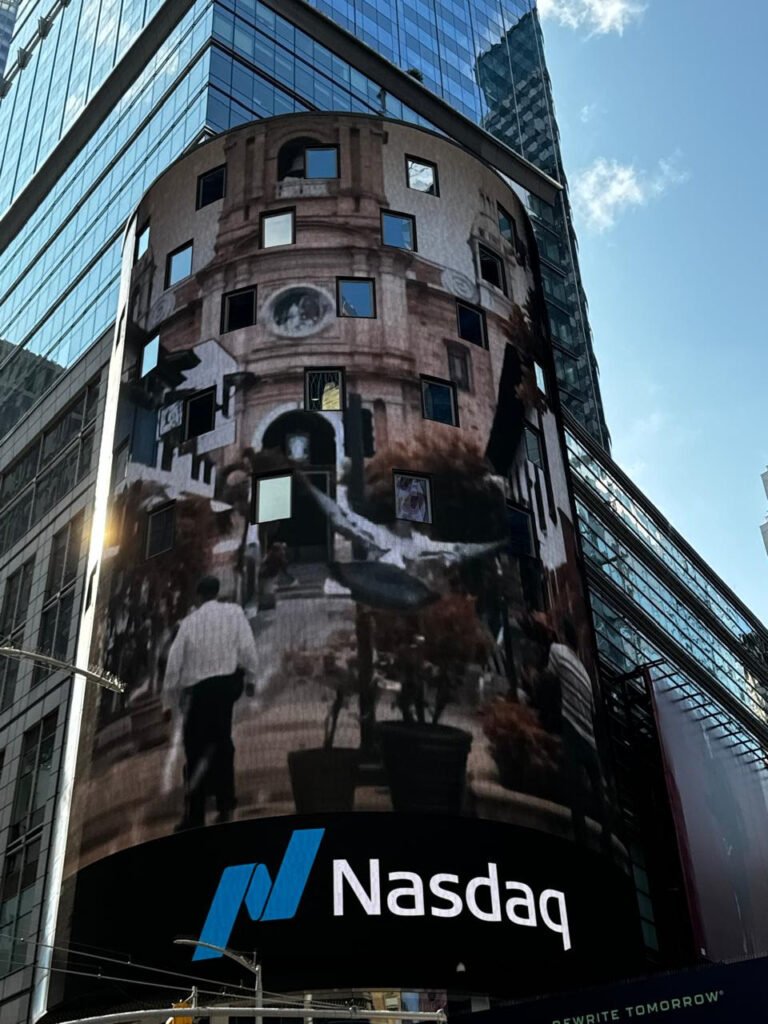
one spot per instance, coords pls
(413, 497)
(35, 782)
(12, 620)
(554, 286)
(65, 557)
(199, 414)
(18, 905)
(9, 674)
(272, 498)
(321, 162)
(142, 242)
(59, 601)
(533, 446)
(438, 401)
(355, 296)
(491, 268)
(541, 380)
(161, 529)
(20, 473)
(521, 532)
(324, 389)
(398, 230)
(458, 367)
(150, 354)
(507, 228)
(211, 186)
(278, 228)
(471, 324)
(421, 175)
(238, 309)
(178, 265)
(16, 599)
(79, 415)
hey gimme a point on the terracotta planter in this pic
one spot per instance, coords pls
(426, 766)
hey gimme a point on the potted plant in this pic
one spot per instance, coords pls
(429, 655)
(527, 756)
(323, 779)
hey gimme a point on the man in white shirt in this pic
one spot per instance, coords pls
(213, 654)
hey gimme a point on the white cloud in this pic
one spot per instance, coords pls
(605, 189)
(599, 16)
(587, 112)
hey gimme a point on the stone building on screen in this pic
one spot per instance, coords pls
(336, 397)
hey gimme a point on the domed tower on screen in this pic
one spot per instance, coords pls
(340, 577)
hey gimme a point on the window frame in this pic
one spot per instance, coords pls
(483, 247)
(483, 324)
(224, 327)
(457, 349)
(256, 484)
(152, 513)
(345, 316)
(196, 396)
(199, 205)
(140, 233)
(324, 177)
(341, 370)
(266, 215)
(142, 372)
(21, 830)
(502, 211)
(406, 216)
(425, 163)
(175, 252)
(418, 476)
(57, 592)
(425, 379)
(13, 622)
(530, 431)
(27, 489)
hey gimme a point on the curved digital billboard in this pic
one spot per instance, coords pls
(340, 573)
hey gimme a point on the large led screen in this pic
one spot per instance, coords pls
(340, 573)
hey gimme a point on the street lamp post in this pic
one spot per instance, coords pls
(105, 679)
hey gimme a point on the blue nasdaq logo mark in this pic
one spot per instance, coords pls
(251, 884)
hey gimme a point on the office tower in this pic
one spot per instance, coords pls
(97, 100)
(7, 18)
(517, 92)
(232, 65)
(336, 462)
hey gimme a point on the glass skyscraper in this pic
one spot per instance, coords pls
(79, 145)
(7, 18)
(97, 98)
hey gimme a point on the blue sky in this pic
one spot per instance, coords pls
(662, 113)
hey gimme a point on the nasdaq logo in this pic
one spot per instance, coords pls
(251, 885)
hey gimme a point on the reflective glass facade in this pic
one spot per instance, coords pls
(221, 66)
(7, 18)
(646, 580)
(486, 58)
(224, 64)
